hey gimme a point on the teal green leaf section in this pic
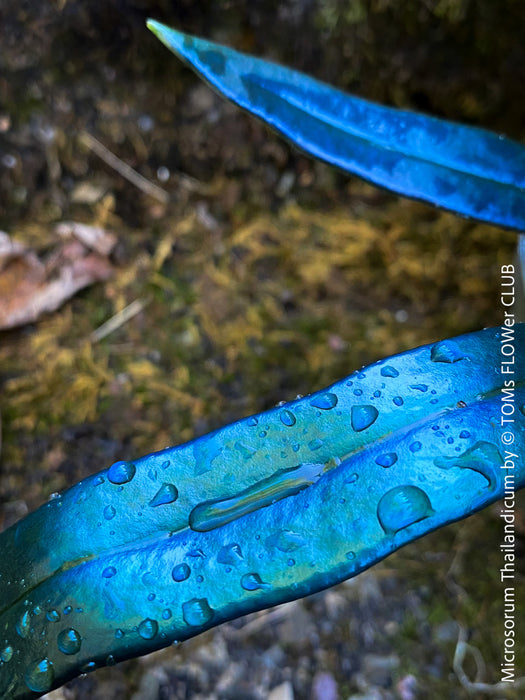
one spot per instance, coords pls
(270, 508)
(467, 170)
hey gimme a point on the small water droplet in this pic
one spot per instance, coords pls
(352, 478)
(350, 556)
(166, 494)
(151, 597)
(53, 615)
(398, 400)
(23, 624)
(7, 654)
(89, 667)
(180, 572)
(119, 634)
(165, 464)
(230, 554)
(285, 541)
(109, 571)
(166, 614)
(252, 582)
(69, 641)
(39, 676)
(109, 512)
(148, 628)
(252, 421)
(290, 562)
(324, 401)
(200, 578)
(464, 434)
(287, 418)
(447, 351)
(403, 506)
(415, 446)
(315, 444)
(98, 480)
(68, 609)
(389, 371)
(196, 612)
(387, 459)
(358, 392)
(110, 660)
(377, 394)
(419, 387)
(121, 472)
(362, 417)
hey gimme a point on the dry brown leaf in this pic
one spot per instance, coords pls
(30, 286)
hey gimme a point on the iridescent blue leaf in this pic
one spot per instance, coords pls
(270, 508)
(467, 170)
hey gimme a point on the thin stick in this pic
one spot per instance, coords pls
(118, 320)
(123, 168)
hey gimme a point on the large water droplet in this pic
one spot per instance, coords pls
(23, 624)
(69, 641)
(180, 572)
(121, 472)
(287, 418)
(166, 494)
(148, 628)
(387, 459)
(389, 371)
(447, 351)
(197, 612)
(403, 506)
(40, 675)
(230, 554)
(325, 401)
(109, 512)
(285, 541)
(7, 654)
(362, 417)
(252, 582)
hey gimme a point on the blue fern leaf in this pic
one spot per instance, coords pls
(265, 510)
(467, 170)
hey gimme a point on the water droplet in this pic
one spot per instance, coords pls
(252, 421)
(89, 667)
(39, 676)
(252, 582)
(285, 541)
(165, 464)
(387, 459)
(377, 394)
(196, 612)
(110, 660)
(362, 417)
(350, 556)
(180, 572)
(419, 387)
(166, 614)
(447, 351)
(315, 444)
(53, 615)
(287, 418)
(109, 571)
(230, 554)
(67, 609)
(358, 392)
(119, 634)
(109, 512)
(415, 446)
(324, 401)
(246, 451)
(151, 597)
(263, 434)
(403, 506)
(7, 654)
(98, 480)
(483, 457)
(121, 472)
(148, 628)
(290, 562)
(200, 579)
(69, 641)
(352, 478)
(398, 400)
(166, 494)
(23, 624)
(464, 434)
(389, 371)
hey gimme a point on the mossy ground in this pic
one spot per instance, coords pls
(266, 275)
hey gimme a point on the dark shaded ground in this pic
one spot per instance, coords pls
(263, 276)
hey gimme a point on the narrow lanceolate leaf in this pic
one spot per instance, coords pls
(270, 508)
(467, 170)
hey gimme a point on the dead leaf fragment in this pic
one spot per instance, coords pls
(30, 286)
